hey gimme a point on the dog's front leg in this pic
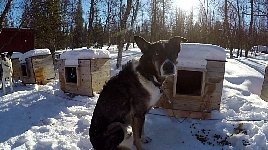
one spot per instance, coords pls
(11, 84)
(137, 125)
(4, 85)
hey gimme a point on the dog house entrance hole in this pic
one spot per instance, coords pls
(71, 74)
(189, 82)
(24, 70)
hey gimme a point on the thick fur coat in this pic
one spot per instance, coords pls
(6, 71)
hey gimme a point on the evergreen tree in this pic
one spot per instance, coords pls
(45, 19)
(78, 26)
(98, 33)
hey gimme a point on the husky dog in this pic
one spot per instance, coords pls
(6, 70)
(127, 97)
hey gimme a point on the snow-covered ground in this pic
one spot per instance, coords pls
(43, 117)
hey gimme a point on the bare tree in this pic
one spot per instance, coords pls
(107, 21)
(251, 24)
(124, 13)
(238, 29)
(226, 28)
(135, 9)
(154, 20)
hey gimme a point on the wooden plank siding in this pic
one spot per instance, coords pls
(43, 68)
(214, 84)
(16, 69)
(264, 90)
(100, 73)
(30, 78)
(61, 74)
(40, 70)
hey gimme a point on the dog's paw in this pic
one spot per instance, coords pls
(146, 139)
(128, 132)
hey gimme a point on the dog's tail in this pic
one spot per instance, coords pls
(110, 139)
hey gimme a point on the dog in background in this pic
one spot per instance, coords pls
(128, 96)
(6, 70)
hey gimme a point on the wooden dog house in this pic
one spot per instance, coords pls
(196, 89)
(264, 90)
(37, 67)
(84, 71)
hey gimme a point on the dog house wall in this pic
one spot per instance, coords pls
(40, 69)
(92, 74)
(16, 69)
(195, 105)
(264, 90)
(16, 66)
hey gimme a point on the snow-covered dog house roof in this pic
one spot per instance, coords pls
(83, 71)
(16, 55)
(71, 57)
(37, 66)
(33, 53)
(197, 85)
(195, 55)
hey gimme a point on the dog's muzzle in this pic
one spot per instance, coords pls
(168, 68)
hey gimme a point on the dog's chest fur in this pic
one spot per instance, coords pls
(7, 68)
(153, 90)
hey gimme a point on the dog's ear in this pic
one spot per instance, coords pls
(2, 56)
(9, 54)
(142, 43)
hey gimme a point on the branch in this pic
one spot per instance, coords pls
(264, 15)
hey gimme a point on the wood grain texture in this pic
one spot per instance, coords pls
(16, 69)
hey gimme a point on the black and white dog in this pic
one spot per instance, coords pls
(127, 97)
(6, 70)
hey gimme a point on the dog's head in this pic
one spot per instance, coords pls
(160, 57)
(6, 58)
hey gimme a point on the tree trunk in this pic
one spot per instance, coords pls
(90, 21)
(4, 14)
(251, 39)
(133, 19)
(153, 21)
(107, 22)
(163, 19)
(123, 26)
(227, 29)
(239, 25)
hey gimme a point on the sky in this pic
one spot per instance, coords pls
(185, 5)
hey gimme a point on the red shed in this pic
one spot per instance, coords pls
(15, 39)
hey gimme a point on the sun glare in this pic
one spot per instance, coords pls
(185, 5)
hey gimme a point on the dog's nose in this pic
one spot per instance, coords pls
(168, 68)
